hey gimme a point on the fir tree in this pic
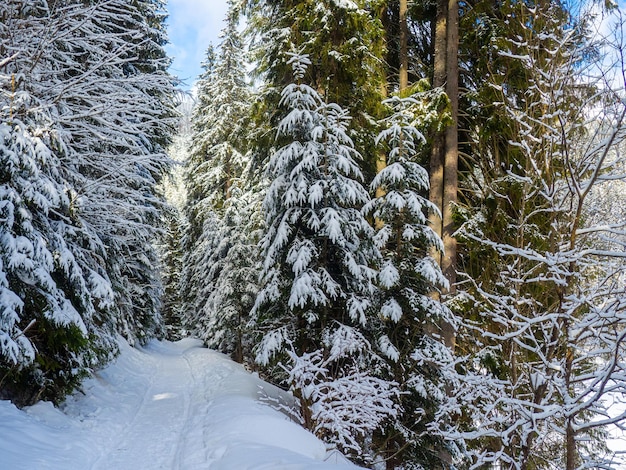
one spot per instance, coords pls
(171, 242)
(345, 42)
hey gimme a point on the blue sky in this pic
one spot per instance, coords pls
(192, 25)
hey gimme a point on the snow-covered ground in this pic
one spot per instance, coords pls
(167, 406)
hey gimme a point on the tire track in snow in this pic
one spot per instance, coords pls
(193, 452)
(187, 403)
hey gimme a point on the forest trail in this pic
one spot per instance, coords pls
(175, 406)
(160, 425)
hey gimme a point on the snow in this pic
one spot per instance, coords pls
(166, 406)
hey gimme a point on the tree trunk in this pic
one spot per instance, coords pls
(404, 47)
(451, 158)
(381, 164)
(437, 152)
(444, 156)
(571, 456)
(570, 443)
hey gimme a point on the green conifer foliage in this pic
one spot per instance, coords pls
(84, 103)
(417, 358)
(314, 308)
(220, 265)
(346, 44)
(524, 262)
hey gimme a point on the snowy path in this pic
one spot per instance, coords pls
(159, 422)
(168, 406)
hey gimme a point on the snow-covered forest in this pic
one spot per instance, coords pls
(410, 216)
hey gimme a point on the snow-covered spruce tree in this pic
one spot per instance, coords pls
(171, 241)
(113, 100)
(47, 300)
(91, 78)
(345, 42)
(225, 276)
(225, 314)
(221, 237)
(105, 78)
(196, 207)
(216, 156)
(545, 307)
(117, 145)
(171, 255)
(409, 340)
(314, 308)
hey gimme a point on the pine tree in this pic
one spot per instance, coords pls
(172, 261)
(111, 99)
(47, 300)
(171, 242)
(201, 127)
(217, 157)
(132, 96)
(227, 305)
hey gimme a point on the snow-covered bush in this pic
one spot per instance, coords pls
(341, 401)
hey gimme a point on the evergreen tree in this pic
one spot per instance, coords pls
(345, 41)
(417, 358)
(200, 272)
(47, 299)
(82, 80)
(201, 126)
(314, 307)
(171, 260)
(217, 157)
(226, 307)
(171, 242)
(221, 259)
(130, 105)
(539, 323)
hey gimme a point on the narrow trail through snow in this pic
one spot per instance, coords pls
(157, 427)
(172, 406)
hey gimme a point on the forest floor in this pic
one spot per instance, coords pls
(165, 406)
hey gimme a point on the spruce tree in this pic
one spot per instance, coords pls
(418, 360)
(171, 248)
(221, 256)
(314, 307)
(83, 84)
(48, 300)
(345, 42)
